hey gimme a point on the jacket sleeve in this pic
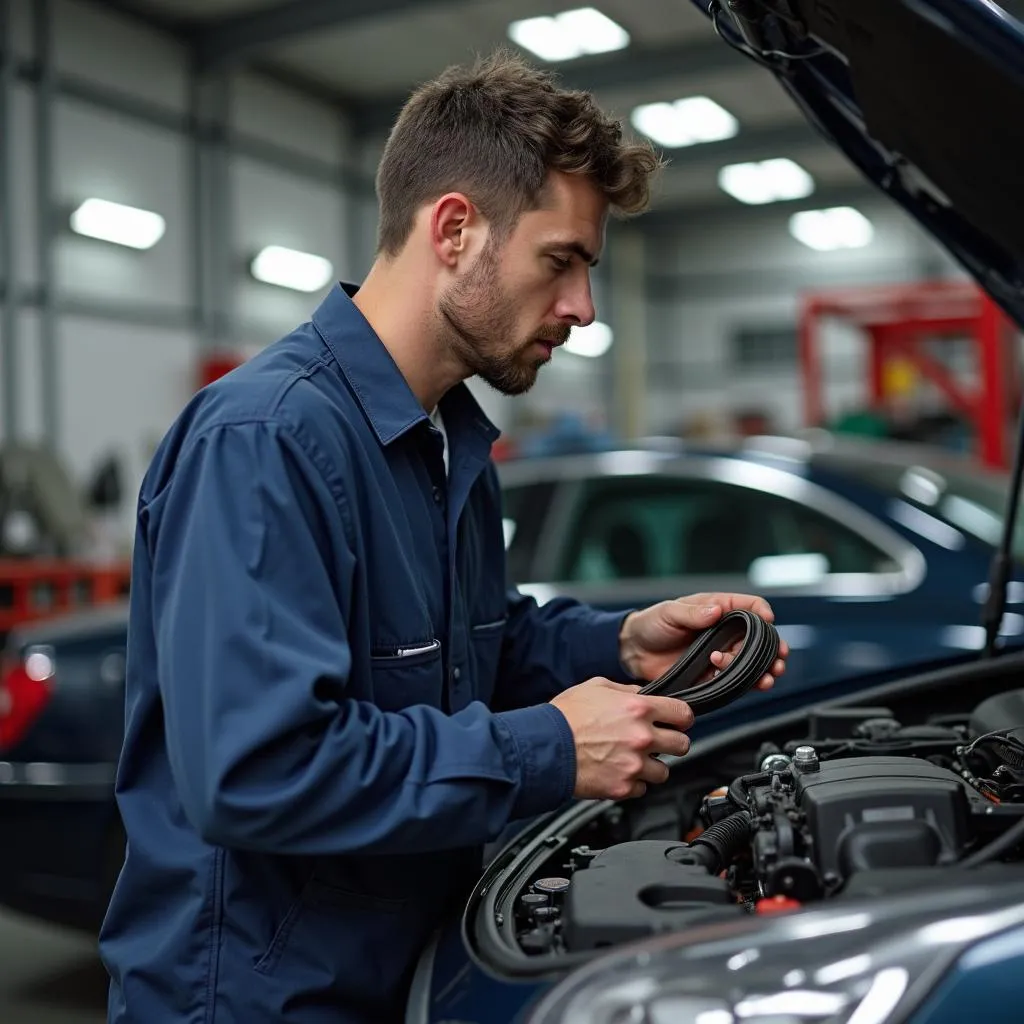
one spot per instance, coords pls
(253, 581)
(550, 647)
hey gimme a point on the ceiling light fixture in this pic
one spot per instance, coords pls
(840, 227)
(591, 341)
(117, 223)
(766, 181)
(569, 35)
(289, 268)
(685, 122)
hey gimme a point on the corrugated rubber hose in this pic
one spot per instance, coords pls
(694, 679)
(723, 841)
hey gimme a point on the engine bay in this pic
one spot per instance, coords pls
(861, 803)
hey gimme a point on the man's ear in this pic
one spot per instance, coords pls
(453, 219)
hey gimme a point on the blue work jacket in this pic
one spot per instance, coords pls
(333, 698)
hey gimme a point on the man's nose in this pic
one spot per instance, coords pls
(576, 306)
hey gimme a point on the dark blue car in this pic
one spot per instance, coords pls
(873, 555)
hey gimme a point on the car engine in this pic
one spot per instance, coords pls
(863, 805)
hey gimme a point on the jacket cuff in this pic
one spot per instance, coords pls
(547, 758)
(598, 652)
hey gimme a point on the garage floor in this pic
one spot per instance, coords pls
(49, 975)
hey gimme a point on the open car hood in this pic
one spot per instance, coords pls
(925, 97)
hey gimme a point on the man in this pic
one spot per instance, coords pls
(333, 700)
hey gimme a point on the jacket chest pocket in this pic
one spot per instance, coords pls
(407, 674)
(485, 642)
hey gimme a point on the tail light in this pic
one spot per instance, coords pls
(25, 688)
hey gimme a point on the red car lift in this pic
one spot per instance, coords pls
(897, 321)
(34, 589)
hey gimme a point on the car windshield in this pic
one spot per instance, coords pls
(968, 498)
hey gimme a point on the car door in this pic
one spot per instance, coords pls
(831, 572)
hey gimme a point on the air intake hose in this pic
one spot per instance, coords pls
(717, 846)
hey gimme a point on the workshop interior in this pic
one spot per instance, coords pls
(804, 381)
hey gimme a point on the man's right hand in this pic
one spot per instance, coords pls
(616, 732)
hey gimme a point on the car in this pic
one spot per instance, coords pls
(857, 858)
(791, 870)
(61, 728)
(873, 554)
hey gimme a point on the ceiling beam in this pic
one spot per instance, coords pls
(639, 66)
(750, 144)
(249, 34)
(626, 69)
(170, 24)
(673, 217)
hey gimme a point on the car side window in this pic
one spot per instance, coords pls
(656, 527)
(524, 509)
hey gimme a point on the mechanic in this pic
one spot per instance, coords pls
(333, 700)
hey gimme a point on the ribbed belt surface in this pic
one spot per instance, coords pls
(692, 677)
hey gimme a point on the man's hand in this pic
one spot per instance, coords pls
(652, 640)
(616, 732)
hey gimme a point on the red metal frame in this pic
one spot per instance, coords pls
(895, 321)
(35, 589)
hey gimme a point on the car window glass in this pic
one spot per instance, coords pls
(656, 527)
(524, 509)
(969, 499)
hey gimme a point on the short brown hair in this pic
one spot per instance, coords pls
(494, 131)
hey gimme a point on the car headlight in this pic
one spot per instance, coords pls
(863, 963)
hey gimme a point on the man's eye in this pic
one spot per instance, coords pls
(560, 263)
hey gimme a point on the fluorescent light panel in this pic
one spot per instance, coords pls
(766, 181)
(591, 341)
(569, 35)
(839, 227)
(117, 223)
(686, 122)
(289, 268)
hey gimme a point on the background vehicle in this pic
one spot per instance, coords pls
(872, 555)
(61, 726)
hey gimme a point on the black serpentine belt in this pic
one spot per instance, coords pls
(692, 677)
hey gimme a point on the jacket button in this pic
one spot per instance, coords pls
(456, 673)
(437, 495)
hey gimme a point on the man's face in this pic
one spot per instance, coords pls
(517, 302)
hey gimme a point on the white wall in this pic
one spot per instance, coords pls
(125, 334)
(137, 382)
(97, 154)
(101, 47)
(747, 271)
(273, 207)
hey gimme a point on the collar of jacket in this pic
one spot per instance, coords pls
(378, 384)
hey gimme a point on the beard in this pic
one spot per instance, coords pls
(478, 314)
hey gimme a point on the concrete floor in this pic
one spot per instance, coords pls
(49, 975)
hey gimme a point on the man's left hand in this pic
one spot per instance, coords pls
(652, 640)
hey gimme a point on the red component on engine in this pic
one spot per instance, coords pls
(776, 905)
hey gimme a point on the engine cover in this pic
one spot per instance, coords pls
(856, 814)
(633, 890)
